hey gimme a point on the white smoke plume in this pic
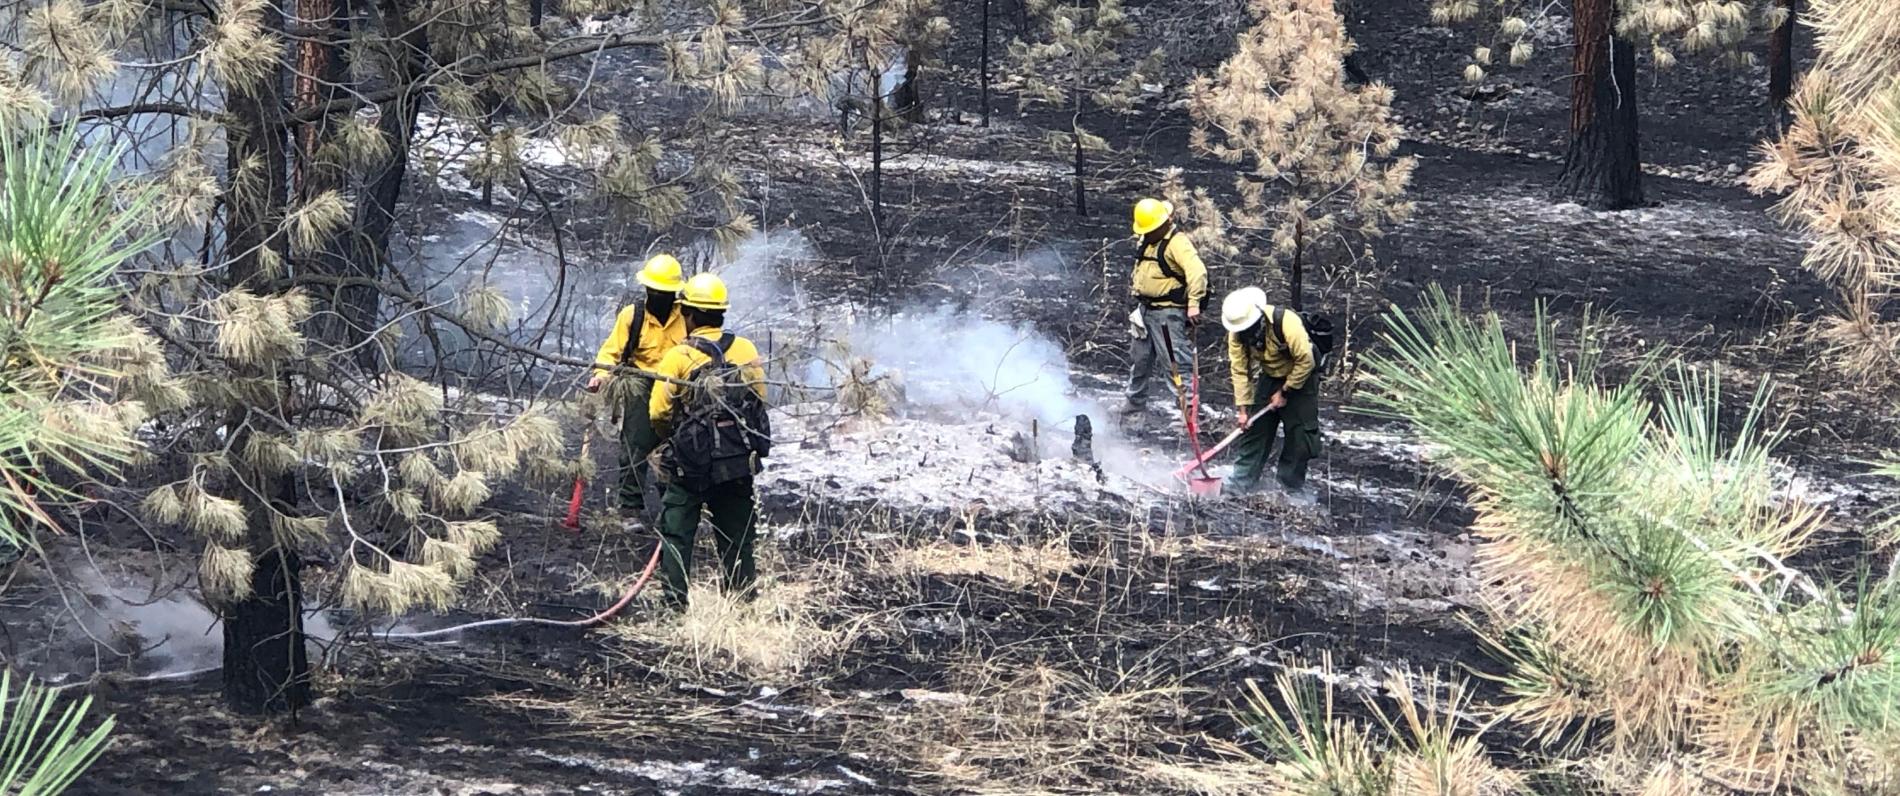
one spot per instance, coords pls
(956, 360)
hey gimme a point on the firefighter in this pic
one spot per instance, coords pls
(642, 333)
(1170, 284)
(712, 415)
(1276, 387)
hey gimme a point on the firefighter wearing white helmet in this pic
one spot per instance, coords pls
(1276, 387)
(711, 412)
(641, 333)
(1170, 285)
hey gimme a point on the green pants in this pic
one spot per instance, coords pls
(731, 507)
(637, 440)
(1299, 417)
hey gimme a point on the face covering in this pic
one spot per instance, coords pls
(1255, 336)
(660, 303)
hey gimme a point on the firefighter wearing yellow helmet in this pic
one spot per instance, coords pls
(642, 333)
(1274, 362)
(712, 413)
(1170, 285)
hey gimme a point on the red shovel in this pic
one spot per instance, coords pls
(1190, 402)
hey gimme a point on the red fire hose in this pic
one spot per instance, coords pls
(625, 600)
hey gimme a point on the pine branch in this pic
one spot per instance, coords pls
(575, 49)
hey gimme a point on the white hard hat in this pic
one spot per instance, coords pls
(1243, 308)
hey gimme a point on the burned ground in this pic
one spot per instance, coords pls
(1039, 628)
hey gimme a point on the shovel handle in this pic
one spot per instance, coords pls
(572, 521)
(1204, 458)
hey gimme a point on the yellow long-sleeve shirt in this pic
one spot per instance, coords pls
(682, 359)
(1291, 358)
(1154, 286)
(656, 338)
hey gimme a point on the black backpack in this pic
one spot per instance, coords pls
(1319, 331)
(723, 427)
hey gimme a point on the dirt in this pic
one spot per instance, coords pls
(1202, 594)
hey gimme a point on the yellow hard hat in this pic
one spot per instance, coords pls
(662, 272)
(1243, 309)
(1150, 214)
(706, 292)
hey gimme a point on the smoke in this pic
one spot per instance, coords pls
(955, 360)
(178, 632)
(167, 632)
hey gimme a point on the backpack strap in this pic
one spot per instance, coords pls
(636, 326)
(1160, 257)
(713, 349)
(1279, 326)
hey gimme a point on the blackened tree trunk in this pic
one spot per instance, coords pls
(266, 663)
(257, 155)
(877, 153)
(265, 667)
(1075, 138)
(1781, 65)
(1603, 165)
(908, 99)
(983, 70)
(1296, 276)
(367, 243)
(1081, 193)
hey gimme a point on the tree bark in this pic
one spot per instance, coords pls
(1603, 165)
(257, 157)
(1081, 194)
(266, 663)
(908, 99)
(1296, 276)
(1075, 137)
(1781, 66)
(877, 151)
(366, 249)
(265, 667)
(984, 69)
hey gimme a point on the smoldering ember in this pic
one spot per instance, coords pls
(1354, 398)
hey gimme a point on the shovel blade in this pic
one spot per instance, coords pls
(1204, 486)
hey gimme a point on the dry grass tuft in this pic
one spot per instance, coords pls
(1017, 564)
(1237, 776)
(1038, 727)
(776, 633)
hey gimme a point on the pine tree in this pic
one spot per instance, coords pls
(42, 749)
(292, 433)
(76, 379)
(1837, 166)
(1075, 55)
(1635, 552)
(876, 39)
(1603, 158)
(1317, 154)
